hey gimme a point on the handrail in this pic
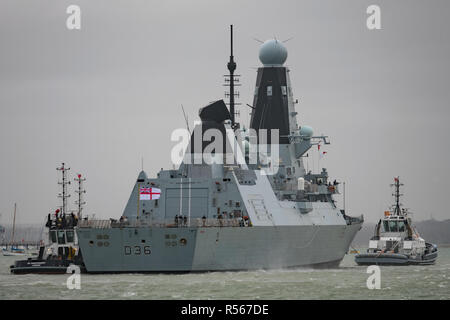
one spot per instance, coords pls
(195, 222)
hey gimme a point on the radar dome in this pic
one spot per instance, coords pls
(306, 131)
(272, 53)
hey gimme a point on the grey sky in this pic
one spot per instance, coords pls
(101, 98)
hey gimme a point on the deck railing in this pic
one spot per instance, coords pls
(194, 222)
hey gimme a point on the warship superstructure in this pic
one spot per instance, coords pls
(396, 241)
(257, 210)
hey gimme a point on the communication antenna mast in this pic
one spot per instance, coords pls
(397, 195)
(64, 184)
(230, 80)
(80, 202)
(186, 119)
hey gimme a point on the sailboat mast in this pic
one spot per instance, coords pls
(14, 224)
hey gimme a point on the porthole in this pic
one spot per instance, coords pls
(183, 242)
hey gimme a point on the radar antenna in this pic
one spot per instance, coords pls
(230, 80)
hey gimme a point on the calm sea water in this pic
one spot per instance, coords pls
(346, 282)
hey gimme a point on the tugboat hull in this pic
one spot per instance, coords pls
(42, 267)
(394, 259)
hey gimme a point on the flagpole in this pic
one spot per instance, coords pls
(318, 163)
(189, 209)
(318, 158)
(344, 196)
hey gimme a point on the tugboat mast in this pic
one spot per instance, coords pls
(64, 184)
(80, 192)
(397, 195)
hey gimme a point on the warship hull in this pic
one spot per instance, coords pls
(147, 249)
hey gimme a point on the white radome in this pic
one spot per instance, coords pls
(272, 53)
(306, 131)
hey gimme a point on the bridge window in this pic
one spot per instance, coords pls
(283, 90)
(394, 226)
(70, 236)
(52, 236)
(269, 91)
(61, 237)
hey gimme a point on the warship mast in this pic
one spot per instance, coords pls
(230, 80)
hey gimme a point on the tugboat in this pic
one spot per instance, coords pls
(61, 248)
(396, 241)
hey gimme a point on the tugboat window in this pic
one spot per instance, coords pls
(70, 235)
(401, 226)
(61, 237)
(53, 236)
(393, 226)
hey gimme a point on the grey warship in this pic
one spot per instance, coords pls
(231, 215)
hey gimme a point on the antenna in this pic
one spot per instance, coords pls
(80, 192)
(230, 80)
(258, 40)
(64, 184)
(397, 195)
(186, 119)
